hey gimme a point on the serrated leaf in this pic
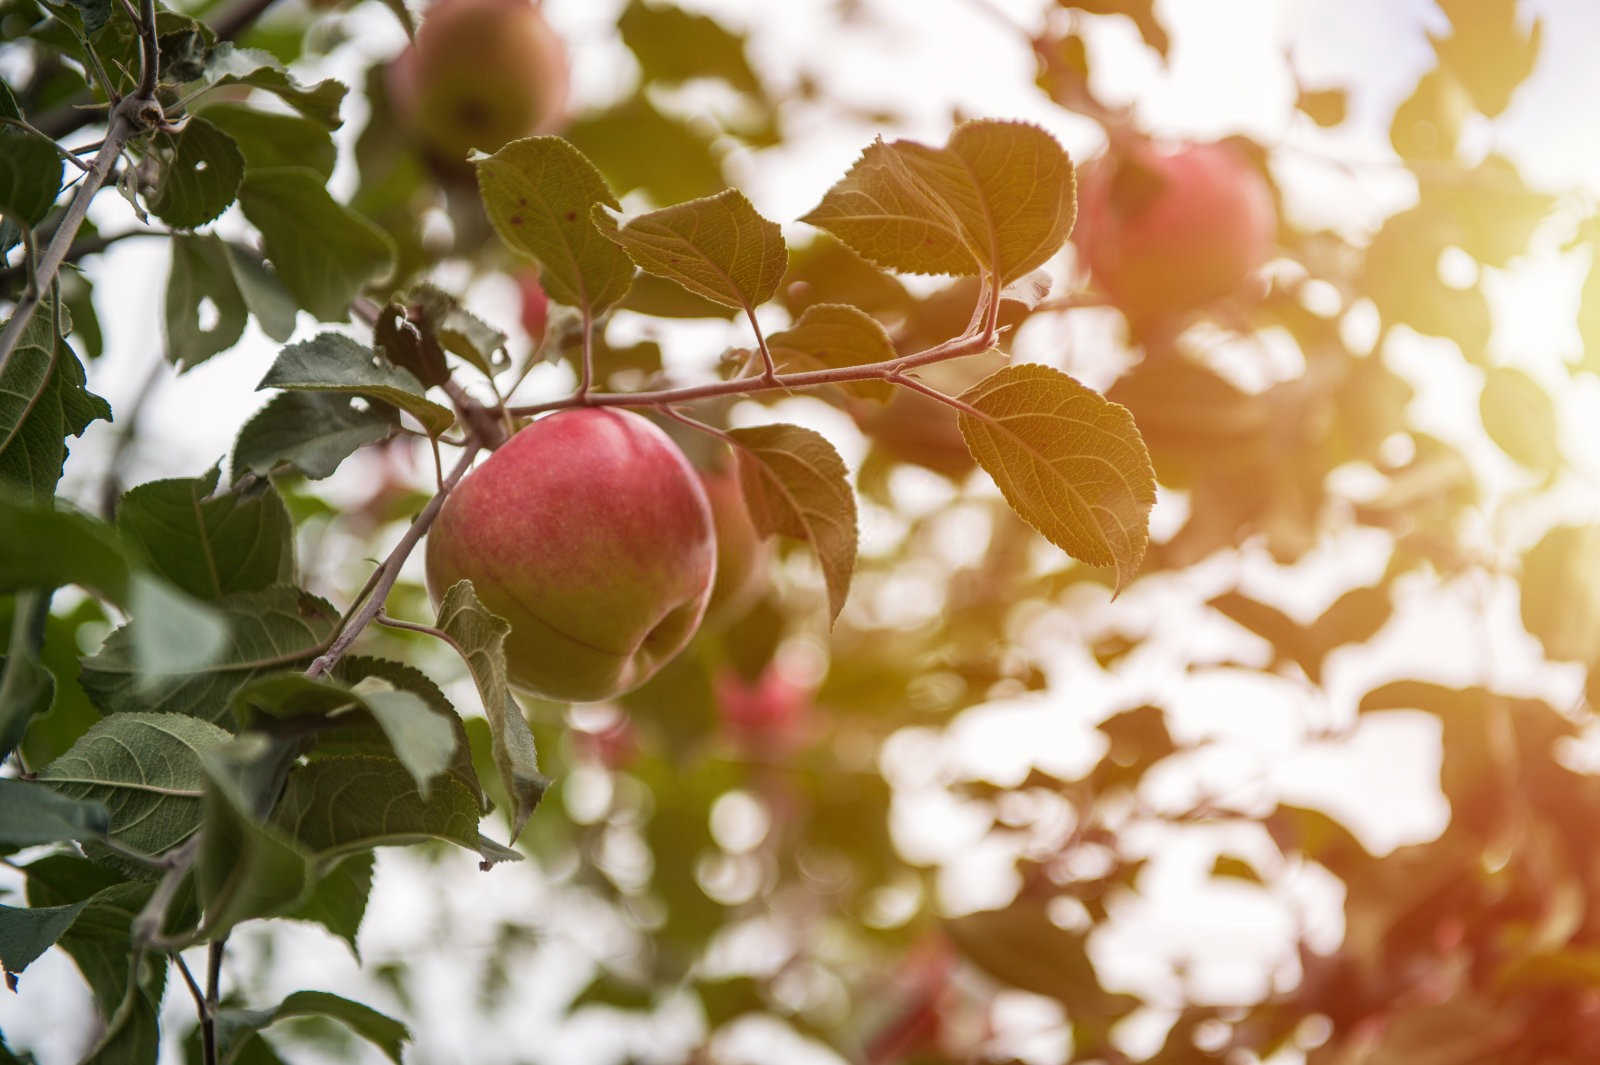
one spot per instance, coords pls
(201, 177)
(42, 401)
(264, 294)
(1561, 592)
(1000, 197)
(480, 638)
(538, 193)
(1070, 462)
(274, 628)
(340, 804)
(795, 484)
(146, 770)
(311, 432)
(830, 335)
(201, 273)
(383, 1032)
(1520, 417)
(245, 869)
(324, 252)
(718, 247)
(267, 139)
(210, 544)
(332, 362)
(228, 64)
(338, 900)
(31, 813)
(458, 330)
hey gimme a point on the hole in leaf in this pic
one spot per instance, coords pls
(200, 166)
(207, 316)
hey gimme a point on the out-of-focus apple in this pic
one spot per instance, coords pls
(769, 718)
(590, 533)
(535, 308)
(1166, 231)
(615, 746)
(480, 73)
(743, 554)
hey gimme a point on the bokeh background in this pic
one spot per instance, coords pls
(1314, 788)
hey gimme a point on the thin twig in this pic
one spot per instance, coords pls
(586, 372)
(769, 368)
(389, 572)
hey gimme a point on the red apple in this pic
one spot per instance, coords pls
(590, 533)
(767, 718)
(1168, 231)
(480, 73)
(535, 306)
(742, 553)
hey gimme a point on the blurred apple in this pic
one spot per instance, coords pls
(614, 746)
(535, 307)
(480, 73)
(1166, 231)
(768, 718)
(591, 534)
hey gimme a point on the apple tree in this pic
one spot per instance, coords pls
(632, 625)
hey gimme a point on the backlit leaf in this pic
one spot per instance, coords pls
(717, 247)
(999, 197)
(1068, 460)
(1521, 418)
(1561, 592)
(538, 193)
(795, 484)
(830, 335)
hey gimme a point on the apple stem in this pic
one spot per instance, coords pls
(586, 378)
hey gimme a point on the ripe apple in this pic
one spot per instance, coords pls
(480, 73)
(1168, 231)
(535, 306)
(767, 718)
(742, 552)
(590, 533)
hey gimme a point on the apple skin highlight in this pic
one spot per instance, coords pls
(591, 534)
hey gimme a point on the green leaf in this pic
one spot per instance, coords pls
(338, 899)
(339, 804)
(27, 687)
(210, 544)
(383, 1032)
(1021, 946)
(231, 65)
(458, 330)
(1070, 462)
(132, 1034)
(795, 484)
(264, 294)
(274, 628)
(324, 252)
(175, 633)
(201, 273)
(42, 401)
(1561, 592)
(717, 247)
(201, 178)
(1520, 417)
(999, 197)
(830, 335)
(422, 739)
(312, 432)
(673, 46)
(30, 174)
(480, 638)
(538, 193)
(636, 146)
(268, 139)
(332, 362)
(47, 548)
(146, 769)
(26, 933)
(245, 869)
(30, 813)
